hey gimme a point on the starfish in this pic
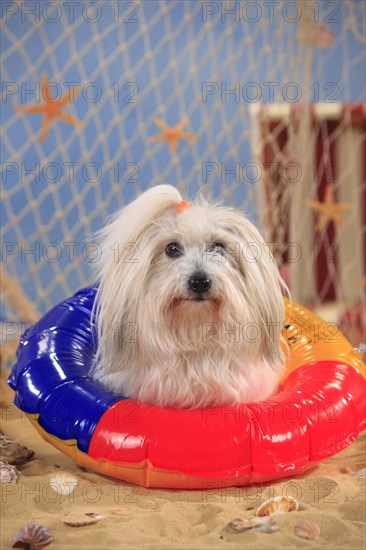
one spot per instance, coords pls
(328, 210)
(172, 135)
(51, 108)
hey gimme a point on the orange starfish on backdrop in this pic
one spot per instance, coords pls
(328, 210)
(172, 135)
(51, 108)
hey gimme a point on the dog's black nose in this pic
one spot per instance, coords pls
(200, 283)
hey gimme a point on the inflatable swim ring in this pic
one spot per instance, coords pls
(318, 411)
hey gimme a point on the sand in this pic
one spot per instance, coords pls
(136, 518)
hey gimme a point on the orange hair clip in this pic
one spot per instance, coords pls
(183, 205)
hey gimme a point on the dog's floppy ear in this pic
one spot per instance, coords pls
(126, 225)
(121, 234)
(262, 282)
(122, 265)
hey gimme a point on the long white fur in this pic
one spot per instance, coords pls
(160, 347)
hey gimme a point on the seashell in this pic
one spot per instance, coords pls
(8, 473)
(360, 476)
(239, 525)
(262, 525)
(63, 483)
(32, 537)
(277, 505)
(79, 519)
(12, 452)
(307, 529)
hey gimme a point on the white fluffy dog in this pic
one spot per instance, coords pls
(189, 306)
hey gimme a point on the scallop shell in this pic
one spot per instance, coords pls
(32, 537)
(307, 529)
(277, 505)
(63, 483)
(79, 519)
(8, 473)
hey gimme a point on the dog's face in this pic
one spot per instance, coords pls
(197, 266)
(187, 280)
(204, 264)
(191, 260)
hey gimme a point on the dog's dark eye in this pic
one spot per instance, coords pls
(217, 247)
(173, 250)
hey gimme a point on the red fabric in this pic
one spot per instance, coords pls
(325, 240)
(274, 180)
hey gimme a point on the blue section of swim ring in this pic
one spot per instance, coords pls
(52, 374)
